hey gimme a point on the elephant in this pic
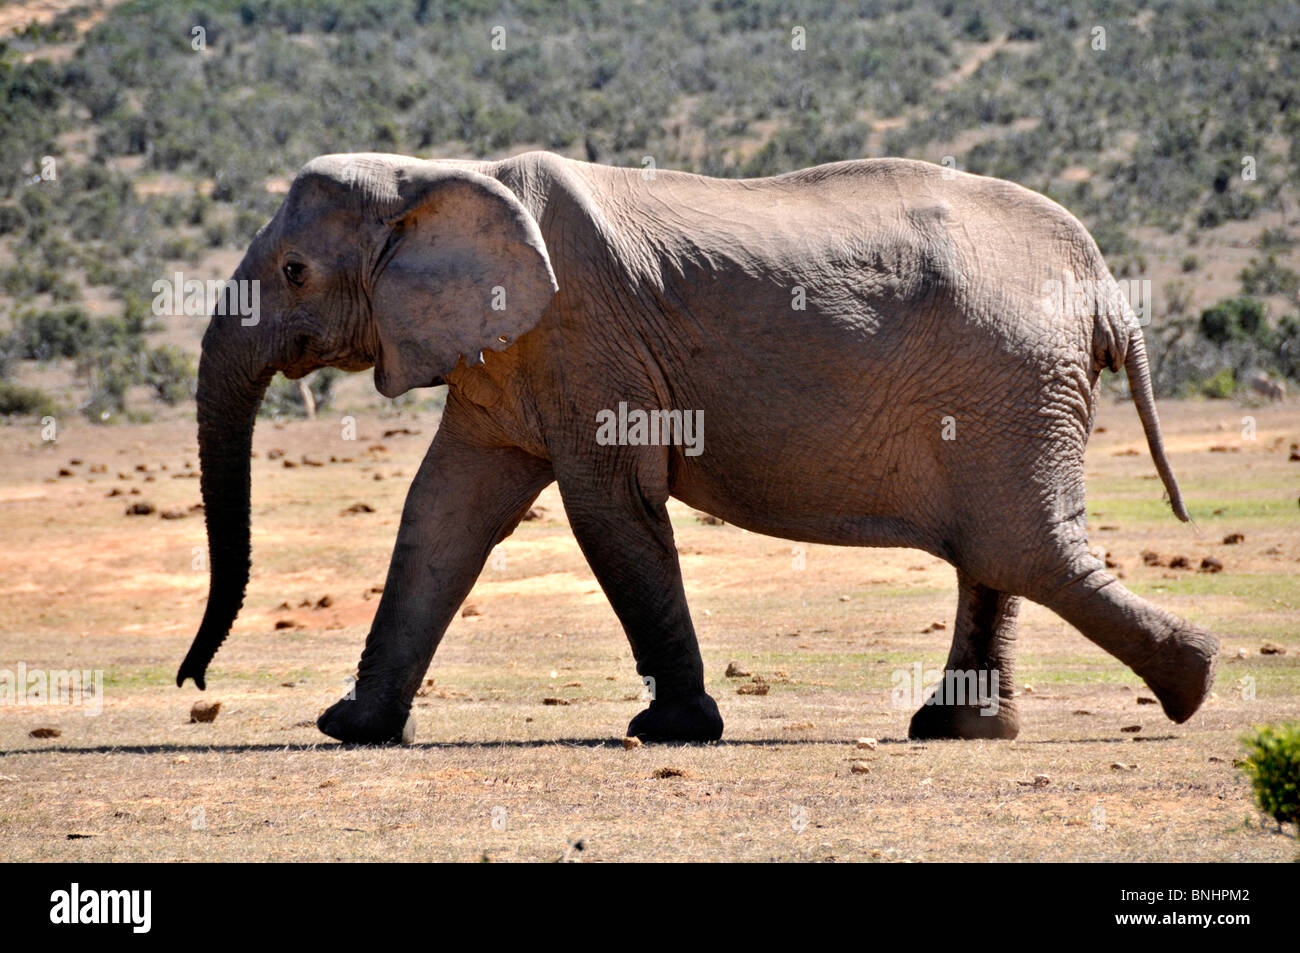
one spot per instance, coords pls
(879, 348)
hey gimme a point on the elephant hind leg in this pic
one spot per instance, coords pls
(976, 697)
(1174, 657)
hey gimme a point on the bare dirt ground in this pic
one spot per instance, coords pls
(498, 772)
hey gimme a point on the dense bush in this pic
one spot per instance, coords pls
(1163, 119)
(1213, 354)
(171, 373)
(1273, 766)
(15, 399)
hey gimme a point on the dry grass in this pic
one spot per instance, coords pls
(82, 585)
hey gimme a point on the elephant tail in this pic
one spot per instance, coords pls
(1139, 385)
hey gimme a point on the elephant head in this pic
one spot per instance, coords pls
(372, 260)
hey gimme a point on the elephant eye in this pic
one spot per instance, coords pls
(295, 272)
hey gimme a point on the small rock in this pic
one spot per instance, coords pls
(469, 611)
(285, 624)
(1180, 562)
(708, 519)
(1144, 700)
(935, 627)
(859, 767)
(867, 743)
(1082, 711)
(1152, 558)
(1131, 729)
(140, 508)
(1232, 539)
(1121, 766)
(630, 743)
(554, 701)
(1272, 648)
(172, 514)
(324, 602)
(534, 513)
(1210, 564)
(358, 508)
(204, 711)
(45, 733)
(736, 670)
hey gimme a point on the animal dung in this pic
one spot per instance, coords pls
(204, 711)
(662, 773)
(469, 611)
(1210, 564)
(736, 670)
(631, 743)
(358, 508)
(1271, 648)
(753, 688)
(1232, 539)
(140, 508)
(45, 733)
(555, 701)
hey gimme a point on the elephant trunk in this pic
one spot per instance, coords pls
(230, 389)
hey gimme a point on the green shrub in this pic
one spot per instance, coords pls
(1267, 277)
(171, 373)
(1273, 767)
(1221, 386)
(57, 332)
(108, 375)
(1234, 318)
(15, 399)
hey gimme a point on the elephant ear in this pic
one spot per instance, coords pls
(464, 269)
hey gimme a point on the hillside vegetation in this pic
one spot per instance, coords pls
(143, 137)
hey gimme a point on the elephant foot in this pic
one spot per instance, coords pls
(1181, 672)
(694, 719)
(965, 722)
(352, 721)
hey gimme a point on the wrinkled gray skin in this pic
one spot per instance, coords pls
(924, 300)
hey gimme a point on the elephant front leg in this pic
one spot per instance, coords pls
(976, 698)
(628, 541)
(464, 500)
